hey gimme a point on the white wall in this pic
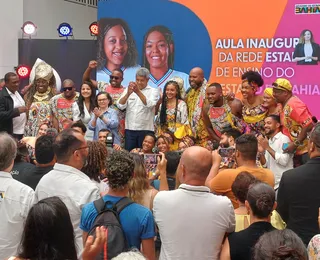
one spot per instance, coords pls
(11, 20)
(47, 15)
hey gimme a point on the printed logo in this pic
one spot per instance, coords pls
(307, 9)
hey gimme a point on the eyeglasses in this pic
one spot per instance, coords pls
(102, 100)
(65, 89)
(114, 77)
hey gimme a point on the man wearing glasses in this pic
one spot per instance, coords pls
(66, 180)
(114, 88)
(61, 105)
(296, 120)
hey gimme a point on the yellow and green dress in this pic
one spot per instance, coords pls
(176, 122)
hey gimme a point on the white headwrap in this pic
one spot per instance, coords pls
(41, 69)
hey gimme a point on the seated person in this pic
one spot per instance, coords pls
(80, 127)
(148, 145)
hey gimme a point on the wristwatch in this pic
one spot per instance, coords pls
(297, 143)
(101, 117)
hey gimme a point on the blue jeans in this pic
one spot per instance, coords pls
(134, 139)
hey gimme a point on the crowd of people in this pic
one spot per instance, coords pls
(189, 173)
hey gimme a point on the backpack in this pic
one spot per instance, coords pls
(109, 218)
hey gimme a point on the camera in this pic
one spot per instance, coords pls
(109, 140)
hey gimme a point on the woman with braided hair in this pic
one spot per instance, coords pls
(173, 113)
(260, 203)
(95, 167)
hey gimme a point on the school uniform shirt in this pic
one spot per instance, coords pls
(129, 74)
(139, 116)
(167, 77)
(16, 199)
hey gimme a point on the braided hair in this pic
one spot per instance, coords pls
(163, 112)
(96, 160)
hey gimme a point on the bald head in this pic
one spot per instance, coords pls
(67, 83)
(198, 71)
(196, 77)
(68, 88)
(196, 163)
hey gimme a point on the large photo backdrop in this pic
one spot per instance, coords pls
(225, 38)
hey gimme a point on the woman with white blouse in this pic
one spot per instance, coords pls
(82, 109)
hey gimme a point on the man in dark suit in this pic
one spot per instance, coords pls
(299, 193)
(12, 107)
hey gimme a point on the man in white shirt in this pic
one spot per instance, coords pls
(139, 100)
(12, 107)
(192, 221)
(66, 180)
(16, 199)
(271, 151)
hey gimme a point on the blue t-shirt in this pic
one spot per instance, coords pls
(136, 220)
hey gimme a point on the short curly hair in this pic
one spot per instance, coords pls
(253, 77)
(120, 168)
(241, 184)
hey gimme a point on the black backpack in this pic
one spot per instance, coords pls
(108, 216)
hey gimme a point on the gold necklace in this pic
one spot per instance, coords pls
(39, 97)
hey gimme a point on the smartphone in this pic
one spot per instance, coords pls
(151, 163)
(151, 158)
(285, 146)
(227, 152)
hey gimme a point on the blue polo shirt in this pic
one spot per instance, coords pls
(137, 221)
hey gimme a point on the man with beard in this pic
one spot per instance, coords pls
(221, 113)
(66, 181)
(195, 100)
(61, 105)
(271, 151)
(228, 140)
(220, 182)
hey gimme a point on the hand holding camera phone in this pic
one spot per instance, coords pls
(227, 152)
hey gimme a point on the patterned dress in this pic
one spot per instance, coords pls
(115, 94)
(294, 117)
(39, 112)
(62, 108)
(195, 100)
(254, 117)
(222, 118)
(171, 124)
(179, 127)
